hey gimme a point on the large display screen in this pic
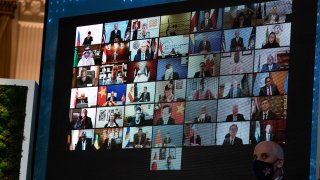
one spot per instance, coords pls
(149, 93)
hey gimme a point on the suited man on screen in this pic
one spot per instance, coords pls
(270, 65)
(231, 138)
(266, 113)
(84, 143)
(139, 139)
(204, 45)
(143, 53)
(269, 89)
(235, 116)
(235, 91)
(115, 35)
(237, 42)
(206, 24)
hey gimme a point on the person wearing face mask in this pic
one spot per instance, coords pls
(169, 74)
(268, 161)
(166, 118)
(138, 118)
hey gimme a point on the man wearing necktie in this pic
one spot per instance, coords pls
(115, 35)
(84, 143)
(202, 72)
(266, 113)
(269, 89)
(231, 138)
(206, 24)
(271, 65)
(142, 53)
(237, 42)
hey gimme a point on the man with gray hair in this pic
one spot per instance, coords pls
(268, 160)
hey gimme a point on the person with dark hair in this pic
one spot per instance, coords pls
(138, 118)
(84, 143)
(265, 112)
(236, 67)
(115, 35)
(271, 42)
(204, 92)
(240, 21)
(203, 117)
(114, 79)
(168, 94)
(166, 118)
(84, 79)
(145, 96)
(83, 121)
(139, 139)
(204, 45)
(167, 140)
(273, 16)
(269, 89)
(168, 165)
(202, 72)
(169, 74)
(232, 139)
(207, 23)
(144, 32)
(87, 40)
(268, 160)
(112, 121)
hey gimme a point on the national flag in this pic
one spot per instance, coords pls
(223, 43)
(75, 57)
(214, 17)
(258, 12)
(102, 95)
(160, 48)
(259, 61)
(252, 36)
(257, 131)
(96, 142)
(264, 10)
(103, 35)
(154, 48)
(126, 142)
(123, 99)
(194, 21)
(154, 163)
(131, 95)
(191, 44)
(168, 27)
(75, 98)
(158, 140)
(267, 34)
(285, 87)
(78, 39)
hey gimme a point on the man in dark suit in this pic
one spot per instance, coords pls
(195, 141)
(206, 24)
(204, 45)
(145, 96)
(232, 139)
(203, 117)
(269, 89)
(167, 140)
(202, 73)
(267, 135)
(143, 53)
(235, 91)
(139, 139)
(166, 118)
(84, 143)
(268, 161)
(115, 35)
(235, 116)
(138, 118)
(266, 113)
(270, 65)
(112, 97)
(83, 121)
(237, 42)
